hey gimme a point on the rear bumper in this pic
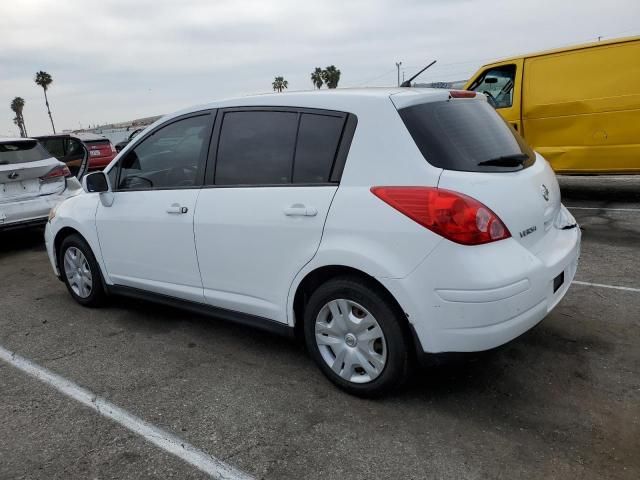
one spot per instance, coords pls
(32, 211)
(464, 299)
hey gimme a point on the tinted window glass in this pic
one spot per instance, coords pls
(168, 158)
(318, 139)
(22, 152)
(461, 134)
(256, 148)
(55, 146)
(74, 156)
(497, 85)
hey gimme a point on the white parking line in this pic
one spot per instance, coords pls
(604, 208)
(165, 440)
(602, 285)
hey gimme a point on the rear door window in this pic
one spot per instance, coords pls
(23, 151)
(256, 148)
(55, 146)
(466, 135)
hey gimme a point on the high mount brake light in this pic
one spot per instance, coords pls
(462, 94)
(455, 216)
(56, 172)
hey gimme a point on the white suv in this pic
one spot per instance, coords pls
(377, 224)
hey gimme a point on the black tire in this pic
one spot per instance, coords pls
(386, 313)
(97, 294)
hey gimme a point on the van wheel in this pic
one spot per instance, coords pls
(80, 271)
(354, 334)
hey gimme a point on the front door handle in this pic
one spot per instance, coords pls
(299, 210)
(177, 209)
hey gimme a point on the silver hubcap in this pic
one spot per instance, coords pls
(78, 273)
(351, 341)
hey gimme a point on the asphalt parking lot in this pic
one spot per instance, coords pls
(562, 401)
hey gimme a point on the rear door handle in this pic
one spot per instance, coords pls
(177, 209)
(299, 210)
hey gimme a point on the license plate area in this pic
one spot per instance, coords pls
(558, 282)
(94, 153)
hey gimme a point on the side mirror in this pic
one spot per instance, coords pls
(96, 183)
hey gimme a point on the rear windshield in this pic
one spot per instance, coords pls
(22, 152)
(466, 135)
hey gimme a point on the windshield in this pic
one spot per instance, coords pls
(466, 135)
(22, 151)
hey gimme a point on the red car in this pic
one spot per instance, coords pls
(101, 150)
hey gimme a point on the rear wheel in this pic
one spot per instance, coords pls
(355, 335)
(80, 271)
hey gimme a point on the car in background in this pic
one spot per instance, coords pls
(32, 181)
(120, 145)
(70, 150)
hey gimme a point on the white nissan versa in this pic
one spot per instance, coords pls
(378, 224)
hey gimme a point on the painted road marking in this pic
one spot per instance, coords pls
(604, 208)
(602, 285)
(161, 438)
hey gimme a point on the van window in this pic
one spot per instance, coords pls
(318, 138)
(497, 84)
(466, 135)
(256, 148)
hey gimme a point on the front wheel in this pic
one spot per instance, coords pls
(80, 271)
(354, 333)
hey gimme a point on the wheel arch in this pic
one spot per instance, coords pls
(322, 274)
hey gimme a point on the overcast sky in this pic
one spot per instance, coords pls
(116, 60)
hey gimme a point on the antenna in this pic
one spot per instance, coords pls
(407, 83)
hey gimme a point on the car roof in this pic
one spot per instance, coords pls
(15, 139)
(339, 99)
(566, 49)
(82, 136)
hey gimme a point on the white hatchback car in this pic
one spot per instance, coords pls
(378, 224)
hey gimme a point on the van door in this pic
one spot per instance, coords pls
(502, 86)
(261, 216)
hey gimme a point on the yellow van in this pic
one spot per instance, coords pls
(579, 107)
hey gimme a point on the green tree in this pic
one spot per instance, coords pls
(279, 84)
(17, 105)
(316, 78)
(44, 80)
(331, 76)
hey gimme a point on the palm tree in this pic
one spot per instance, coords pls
(316, 78)
(17, 105)
(279, 84)
(331, 76)
(44, 80)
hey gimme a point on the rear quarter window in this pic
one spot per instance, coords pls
(24, 151)
(462, 134)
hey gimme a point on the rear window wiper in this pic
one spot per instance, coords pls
(514, 160)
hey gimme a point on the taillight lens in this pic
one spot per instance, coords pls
(57, 172)
(455, 216)
(113, 149)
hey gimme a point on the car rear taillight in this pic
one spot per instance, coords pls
(462, 94)
(452, 215)
(113, 149)
(57, 172)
